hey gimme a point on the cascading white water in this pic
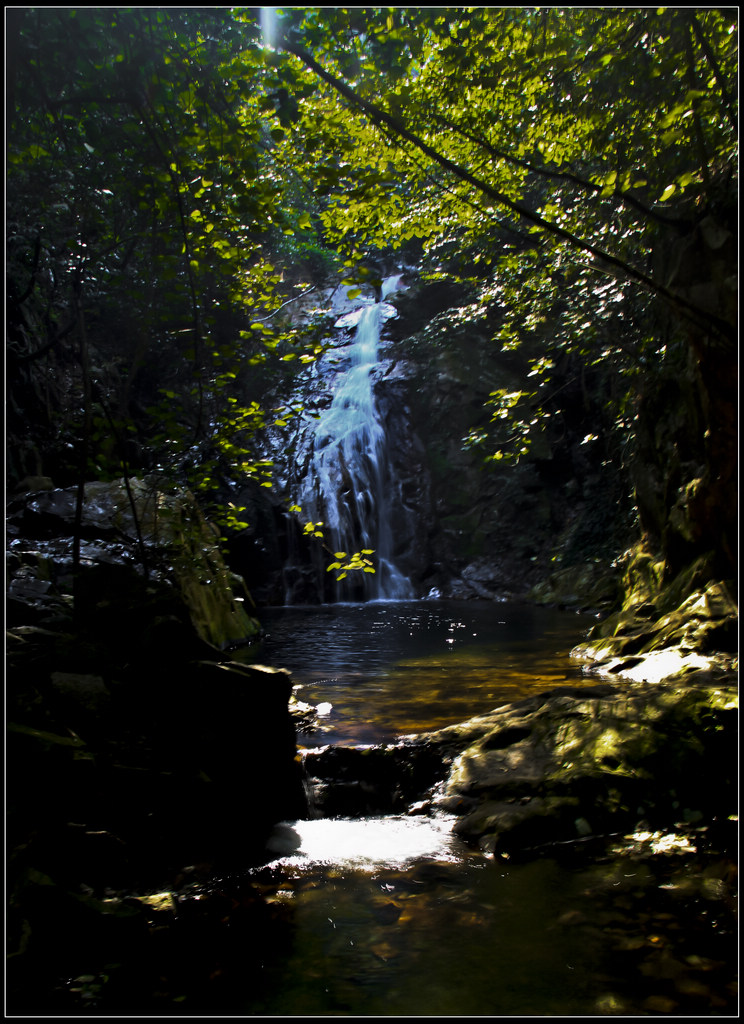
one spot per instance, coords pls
(350, 486)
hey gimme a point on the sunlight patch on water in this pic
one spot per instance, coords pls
(364, 843)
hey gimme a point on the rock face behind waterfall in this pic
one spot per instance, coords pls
(454, 527)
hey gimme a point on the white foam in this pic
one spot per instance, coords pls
(364, 842)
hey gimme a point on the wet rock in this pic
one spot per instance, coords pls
(535, 822)
(385, 779)
(561, 766)
(34, 483)
(88, 691)
(587, 587)
(481, 579)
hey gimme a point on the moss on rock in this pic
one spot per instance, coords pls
(590, 765)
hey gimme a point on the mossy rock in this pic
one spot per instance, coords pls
(692, 612)
(555, 767)
(706, 622)
(586, 586)
(142, 539)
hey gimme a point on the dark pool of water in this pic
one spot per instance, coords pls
(397, 917)
(392, 668)
(630, 932)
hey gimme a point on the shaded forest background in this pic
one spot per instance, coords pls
(564, 183)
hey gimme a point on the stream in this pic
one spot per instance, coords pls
(395, 916)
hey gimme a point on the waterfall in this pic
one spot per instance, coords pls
(350, 485)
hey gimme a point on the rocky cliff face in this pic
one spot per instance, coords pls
(553, 525)
(148, 557)
(686, 468)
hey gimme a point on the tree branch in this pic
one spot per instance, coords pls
(699, 317)
(728, 101)
(545, 172)
(294, 298)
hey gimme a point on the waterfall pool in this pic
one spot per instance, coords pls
(395, 916)
(388, 668)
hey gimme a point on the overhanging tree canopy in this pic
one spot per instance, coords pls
(162, 161)
(588, 158)
(145, 226)
(582, 124)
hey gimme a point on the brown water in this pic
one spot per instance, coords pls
(391, 668)
(450, 933)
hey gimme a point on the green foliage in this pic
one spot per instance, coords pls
(580, 151)
(541, 155)
(145, 210)
(174, 186)
(356, 561)
(343, 563)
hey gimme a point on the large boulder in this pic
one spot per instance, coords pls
(567, 765)
(124, 716)
(144, 547)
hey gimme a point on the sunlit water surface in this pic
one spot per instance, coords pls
(395, 916)
(391, 668)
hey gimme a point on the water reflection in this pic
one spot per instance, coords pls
(636, 934)
(392, 668)
(396, 917)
